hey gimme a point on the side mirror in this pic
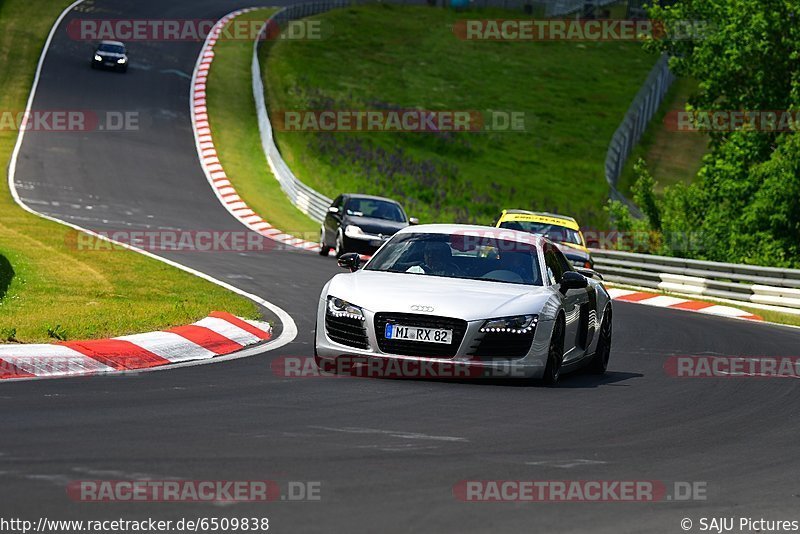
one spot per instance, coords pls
(573, 280)
(351, 261)
(589, 273)
(333, 209)
(413, 221)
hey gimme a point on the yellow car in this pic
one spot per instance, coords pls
(561, 230)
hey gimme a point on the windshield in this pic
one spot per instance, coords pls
(559, 234)
(377, 209)
(115, 49)
(459, 256)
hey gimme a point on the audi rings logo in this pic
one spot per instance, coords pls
(418, 308)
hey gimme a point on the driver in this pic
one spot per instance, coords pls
(520, 264)
(437, 260)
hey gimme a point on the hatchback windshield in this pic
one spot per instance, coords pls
(114, 49)
(377, 209)
(459, 256)
(559, 234)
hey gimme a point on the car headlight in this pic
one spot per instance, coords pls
(341, 308)
(122, 60)
(98, 57)
(352, 230)
(520, 324)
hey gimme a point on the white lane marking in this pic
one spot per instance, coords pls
(289, 331)
(228, 330)
(663, 301)
(724, 310)
(176, 72)
(616, 292)
(402, 447)
(393, 433)
(566, 464)
(50, 360)
(169, 346)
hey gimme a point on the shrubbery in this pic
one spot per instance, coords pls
(745, 202)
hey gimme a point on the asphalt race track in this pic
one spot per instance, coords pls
(387, 452)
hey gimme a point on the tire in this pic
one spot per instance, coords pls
(324, 249)
(339, 249)
(555, 355)
(602, 353)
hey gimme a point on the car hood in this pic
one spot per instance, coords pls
(375, 226)
(450, 297)
(573, 249)
(113, 55)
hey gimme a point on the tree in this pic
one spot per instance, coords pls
(744, 202)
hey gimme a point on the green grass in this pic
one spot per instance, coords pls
(573, 95)
(235, 127)
(673, 157)
(48, 285)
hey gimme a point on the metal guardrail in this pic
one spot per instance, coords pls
(745, 283)
(638, 116)
(563, 8)
(306, 199)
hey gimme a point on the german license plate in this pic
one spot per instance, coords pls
(416, 333)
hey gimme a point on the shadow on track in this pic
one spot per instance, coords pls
(573, 380)
(583, 380)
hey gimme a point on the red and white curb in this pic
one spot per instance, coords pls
(207, 152)
(677, 303)
(217, 335)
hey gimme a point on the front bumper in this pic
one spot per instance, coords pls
(336, 356)
(366, 245)
(109, 65)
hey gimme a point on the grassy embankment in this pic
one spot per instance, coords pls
(572, 94)
(48, 289)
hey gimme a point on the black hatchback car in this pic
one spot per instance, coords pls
(361, 223)
(110, 55)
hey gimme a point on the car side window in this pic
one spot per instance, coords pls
(554, 270)
(563, 261)
(339, 203)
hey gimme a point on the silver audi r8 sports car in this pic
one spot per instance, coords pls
(494, 301)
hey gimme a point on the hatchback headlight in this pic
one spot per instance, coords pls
(341, 308)
(351, 230)
(520, 324)
(98, 57)
(122, 60)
